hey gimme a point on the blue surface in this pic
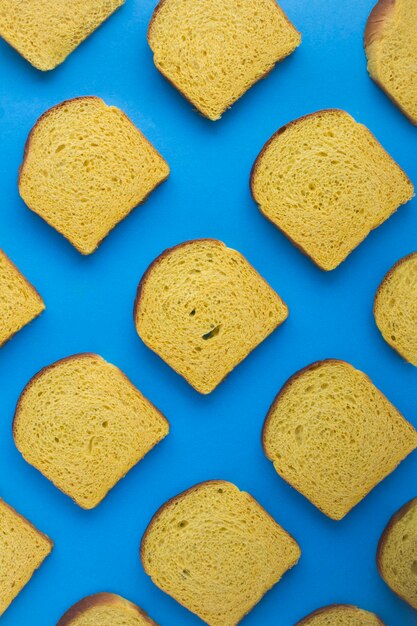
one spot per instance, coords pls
(89, 308)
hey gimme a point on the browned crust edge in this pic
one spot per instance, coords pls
(341, 607)
(45, 369)
(282, 391)
(148, 272)
(258, 159)
(32, 288)
(155, 13)
(196, 487)
(386, 279)
(100, 599)
(27, 147)
(397, 517)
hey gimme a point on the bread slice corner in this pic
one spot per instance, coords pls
(105, 609)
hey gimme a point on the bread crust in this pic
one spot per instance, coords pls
(28, 522)
(100, 599)
(340, 607)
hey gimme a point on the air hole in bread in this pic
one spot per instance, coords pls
(212, 333)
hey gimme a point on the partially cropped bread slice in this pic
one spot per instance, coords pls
(105, 609)
(341, 615)
(45, 32)
(203, 308)
(395, 308)
(391, 48)
(326, 182)
(85, 167)
(215, 50)
(397, 553)
(20, 303)
(23, 549)
(83, 424)
(216, 551)
(334, 436)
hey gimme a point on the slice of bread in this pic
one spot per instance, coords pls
(341, 615)
(213, 51)
(334, 436)
(85, 167)
(391, 48)
(397, 553)
(203, 308)
(23, 549)
(45, 32)
(83, 424)
(20, 303)
(395, 308)
(216, 551)
(105, 609)
(326, 182)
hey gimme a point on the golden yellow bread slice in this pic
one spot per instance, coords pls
(395, 308)
(216, 551)
(334, 436)
(45, 32)
(397, 553)
(213, 51)
(203, 308)
(105, 609)
(391, 48)
(326, 182)
(20, 303)
(341, 615)
(83, 424)
(85, 168)
(23, 549)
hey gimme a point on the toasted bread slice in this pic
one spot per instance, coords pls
(334, 436)
(397, 553)
(391, 48)
(395, 308)
(23, 549)
(203, 309)
(85, 167)
(20, 303)
(341, 615)
(213, 51)
(326, 182)
(105, 609)
(46, 32)
(83, 424)
(216, 551)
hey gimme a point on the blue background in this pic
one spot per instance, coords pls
(89, 308)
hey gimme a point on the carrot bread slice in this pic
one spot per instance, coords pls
(216, 551)
(341, 615)
(20, 303)
(326, 182)
(215, 50)
(391, 48)
(83, 424)
(23, 549)
(203, 308)
(334, 436)
(45, 32)
(105, 609)
(85, 168)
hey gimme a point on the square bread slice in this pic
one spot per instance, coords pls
(85, 168)
(45, 32)
(216, 551)
(203, 308)
(213, 51)
(341, 615)
(334, 436)
(391, 48)
(23, 549)
(83, 424)
(20, 303)
(397, 553)
(326, 182)
(105, 609)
